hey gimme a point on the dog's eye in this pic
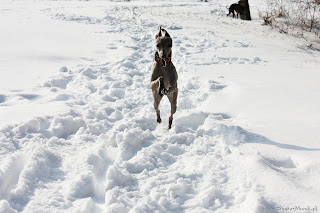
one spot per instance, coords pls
(158, 45)
(169, 45)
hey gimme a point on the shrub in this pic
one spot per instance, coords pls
(293, 16)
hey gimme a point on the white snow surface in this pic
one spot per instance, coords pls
(78, 131)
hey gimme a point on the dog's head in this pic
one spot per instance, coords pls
(164, 46)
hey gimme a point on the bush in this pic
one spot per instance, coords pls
(293, 16)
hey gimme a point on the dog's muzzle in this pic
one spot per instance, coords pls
(163, 62)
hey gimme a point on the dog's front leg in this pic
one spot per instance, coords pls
(156, 87)
(155, 84)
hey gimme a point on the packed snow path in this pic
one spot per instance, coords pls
(108, 154)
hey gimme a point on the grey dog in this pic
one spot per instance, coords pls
(164, 75)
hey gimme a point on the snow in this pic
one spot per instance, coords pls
(78, 131)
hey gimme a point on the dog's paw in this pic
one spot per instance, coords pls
(165, 92)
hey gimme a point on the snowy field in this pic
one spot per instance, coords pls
(78, 131)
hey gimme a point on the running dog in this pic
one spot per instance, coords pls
(164, 75)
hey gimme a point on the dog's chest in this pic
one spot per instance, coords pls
(166, 82)
(165, 73)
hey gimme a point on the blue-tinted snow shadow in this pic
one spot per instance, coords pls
(192, 123)
(251, 137)
(2, 98)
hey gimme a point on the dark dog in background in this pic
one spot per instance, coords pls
(236, 7)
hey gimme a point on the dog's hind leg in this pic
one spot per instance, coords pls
(155, 87)
(173, 101)
(230, 11)
(156, 102)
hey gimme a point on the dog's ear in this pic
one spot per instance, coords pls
(159, 33)
(166, 33)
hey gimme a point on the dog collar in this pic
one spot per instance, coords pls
(158, 59)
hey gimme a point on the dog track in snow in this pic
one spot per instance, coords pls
(109, 154)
